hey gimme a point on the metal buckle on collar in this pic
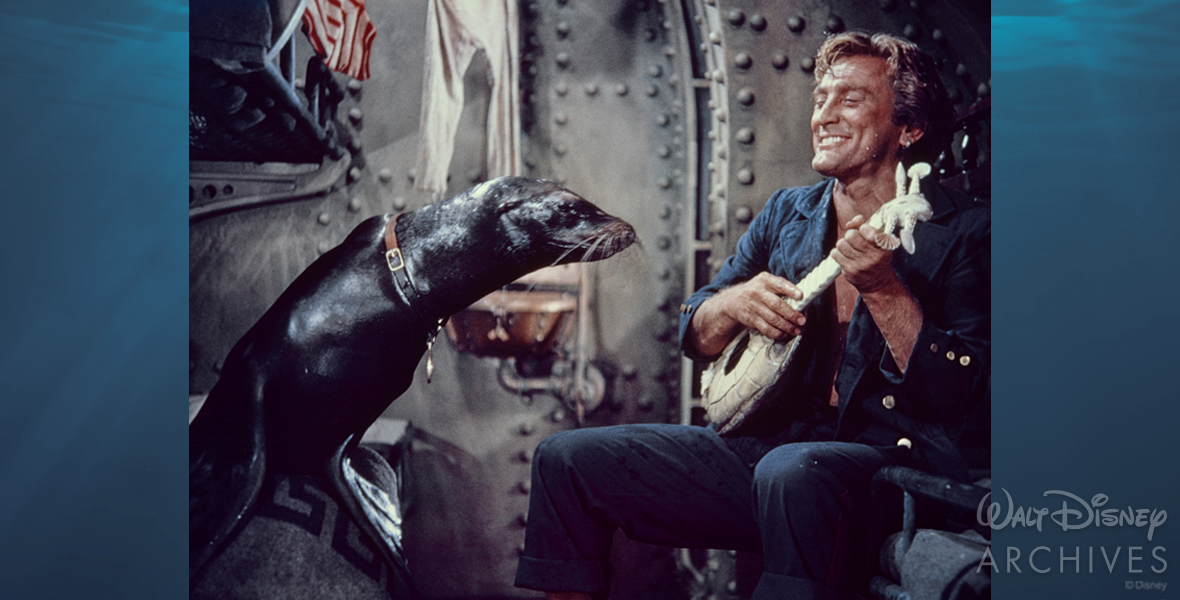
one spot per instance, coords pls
(394, 259)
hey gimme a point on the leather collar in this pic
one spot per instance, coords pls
(397, 265)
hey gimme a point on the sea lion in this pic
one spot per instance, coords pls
(344, 339)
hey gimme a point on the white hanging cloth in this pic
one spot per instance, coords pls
(455, 31)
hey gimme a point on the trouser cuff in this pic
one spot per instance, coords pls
(584, 575)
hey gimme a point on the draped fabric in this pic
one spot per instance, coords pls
(455, 31)
(341, 32)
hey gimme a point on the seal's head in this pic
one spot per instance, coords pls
(530, 223)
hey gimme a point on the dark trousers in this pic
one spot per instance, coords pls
(803, 507)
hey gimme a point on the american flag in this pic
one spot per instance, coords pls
(341, 32)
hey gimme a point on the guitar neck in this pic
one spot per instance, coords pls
(816, 282)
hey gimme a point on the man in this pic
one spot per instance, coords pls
(899, 351)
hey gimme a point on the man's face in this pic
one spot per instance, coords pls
(852, 130)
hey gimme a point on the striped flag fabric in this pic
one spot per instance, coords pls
(341, 32)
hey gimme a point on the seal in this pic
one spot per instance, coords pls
(344, 339)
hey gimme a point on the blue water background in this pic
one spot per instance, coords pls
(94, 303)
(1086, 380)
(93, 261)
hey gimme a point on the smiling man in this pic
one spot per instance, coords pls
(897, 351)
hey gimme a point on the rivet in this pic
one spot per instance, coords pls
(711, 166)
(719, 76)
(712, 134)
(699, 19)
(721, 153)
(745, 177)
(646, 404)
(669, 51)
(743, 214)
(742, 60)
(561, 88)
(353, 144)
(630, 371)
(745, 96)
(668, 25)
(354, 173)
(562, 59)
(354, 86)
(780, 60)
(525, 456)
(704, 47)
(474, 176)
(796, 23)
(664, 242)
(915, 5)
(655, 70)
(522, 520)
(736, 17)
(217, 366)
(663, 120)
(563, 29)
(298, 83)
(385, 175)
(961, 72)
(983, 90)
(719, 115)
(938, 36)
(523, 487)
(355, 114)
(665, 212)
(652, 90)
(399, 203)
(621, 89)
(665, 152)
(953, 95)
(410, 175)
(650, 35)
(559, 150)
(711, 104)
(714, 37)
(834, 24)
(324, 218)
(807, 64)
(887, 5)
(354, 205)
(323, 247)
(526, 429)
(911, 32)
(758, 22)
(559, 118)
(664, 182)
(557, 416)
(591, 89)
(227, 189)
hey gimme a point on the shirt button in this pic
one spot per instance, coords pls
(888, 402)
(950, 355)
(905, 442)
(964, 360)
(934, 348)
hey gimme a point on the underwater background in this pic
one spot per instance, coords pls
(94, 316)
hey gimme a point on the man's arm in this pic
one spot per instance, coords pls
(869, 269)
(757, 304)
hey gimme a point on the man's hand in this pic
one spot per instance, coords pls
(758, 304)
(869, 268)
(866, 265)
